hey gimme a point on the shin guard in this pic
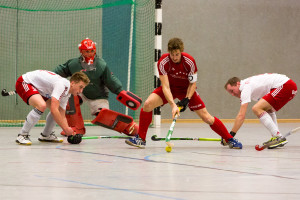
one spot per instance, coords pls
(220, 129)
(116, 121)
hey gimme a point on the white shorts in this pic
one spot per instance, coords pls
(95, 104)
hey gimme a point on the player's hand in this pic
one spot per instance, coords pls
(223, 141)
(175, 111)
(69, 131)
(183, 104)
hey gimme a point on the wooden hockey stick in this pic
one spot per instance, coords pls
(155, 138)
(260, 148)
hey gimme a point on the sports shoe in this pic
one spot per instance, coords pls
(277, 141)
(23, 139)
(50, 138)
(234, 144)
(136, 142)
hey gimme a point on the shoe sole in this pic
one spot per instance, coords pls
(131, 144)
(232, 147)
(26, 144)
(279, 145)
(53, 141)
(236, 148)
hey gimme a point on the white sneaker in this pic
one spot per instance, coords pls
(23, 139)
(50, 138)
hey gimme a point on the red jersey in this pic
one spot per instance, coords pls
(177, 72)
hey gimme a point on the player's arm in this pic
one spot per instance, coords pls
(127, 98)
(59, 116)
(191, 89)
(168, 95)
(240, 118)
(183, 103)
(111, 81)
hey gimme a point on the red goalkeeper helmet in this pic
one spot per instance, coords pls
(85, 45)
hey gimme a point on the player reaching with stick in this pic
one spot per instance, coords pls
(96, 93)
(42, 89)
(272, 91)
(178, 76)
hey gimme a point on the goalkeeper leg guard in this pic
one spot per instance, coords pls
(116, 121)
(73, 115)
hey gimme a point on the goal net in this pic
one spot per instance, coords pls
(42, 34)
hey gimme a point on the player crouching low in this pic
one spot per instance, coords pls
(104, 117)
(178, 75)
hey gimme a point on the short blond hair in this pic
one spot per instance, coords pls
(80, 76)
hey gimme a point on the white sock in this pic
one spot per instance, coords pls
(49, 126)
(268, 122)
(32, 118)
(274, 118)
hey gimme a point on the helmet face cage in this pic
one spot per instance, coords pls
(87, 44)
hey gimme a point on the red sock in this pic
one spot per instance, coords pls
(145, 120)
(220, 129)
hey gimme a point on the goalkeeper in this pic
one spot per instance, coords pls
(96, 93)
(178, 76)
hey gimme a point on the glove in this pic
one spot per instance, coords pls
(223, 141)
(183, 103)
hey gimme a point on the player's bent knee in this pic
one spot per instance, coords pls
(255, 110)
(148, 107)
(41, 107)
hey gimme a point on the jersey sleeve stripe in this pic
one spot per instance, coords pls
(162, 64)
(191, 64)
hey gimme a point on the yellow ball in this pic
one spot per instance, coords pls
(168, 149)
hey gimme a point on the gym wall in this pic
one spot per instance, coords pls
(235, 38)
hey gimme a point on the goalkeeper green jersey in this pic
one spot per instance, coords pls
(101, 78)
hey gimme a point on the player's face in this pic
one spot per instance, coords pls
(234, 90)
(175, 56)
(77, 88)
(88, 53)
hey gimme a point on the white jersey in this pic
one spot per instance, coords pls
(49, 85)
(255, 87)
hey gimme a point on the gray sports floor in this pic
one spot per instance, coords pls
(110, 169)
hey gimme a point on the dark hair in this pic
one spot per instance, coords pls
(233, 81)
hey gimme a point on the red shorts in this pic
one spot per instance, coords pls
(25, 90)
(195, 103)
(278, 97)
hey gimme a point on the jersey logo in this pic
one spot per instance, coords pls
(294, 92)
(190, 78)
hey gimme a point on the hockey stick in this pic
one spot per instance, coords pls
(5, 93)
(155, 138)
(103, 136)
(260, 148)
(170, 132)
